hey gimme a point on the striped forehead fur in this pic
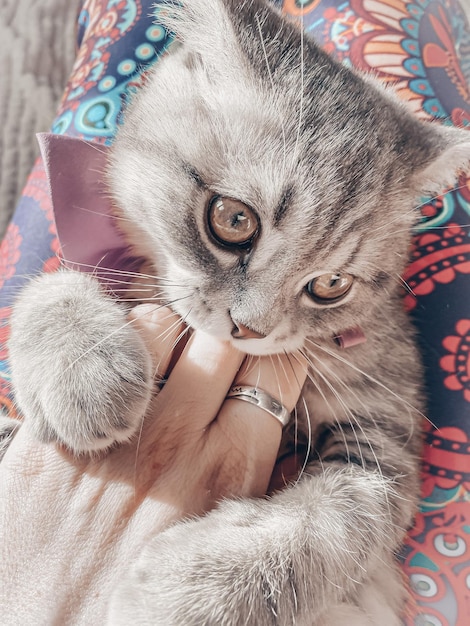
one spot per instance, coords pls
(247, 107)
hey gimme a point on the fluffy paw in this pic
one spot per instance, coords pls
(224, 569)
(292, 559)
(243, 564)
(81, 373)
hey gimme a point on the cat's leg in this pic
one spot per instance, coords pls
(379, 602)
(81, 372)
(284, 561)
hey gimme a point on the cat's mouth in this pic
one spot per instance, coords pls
(245, 337)
(253, 342)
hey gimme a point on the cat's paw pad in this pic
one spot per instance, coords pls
(81, 372)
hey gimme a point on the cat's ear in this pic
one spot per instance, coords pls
(205, 30)
(448, 156)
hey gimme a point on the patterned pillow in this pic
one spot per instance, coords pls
(423, 49)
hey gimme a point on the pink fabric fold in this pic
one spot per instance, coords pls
(86, 227)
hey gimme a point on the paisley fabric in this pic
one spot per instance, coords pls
(423, 49)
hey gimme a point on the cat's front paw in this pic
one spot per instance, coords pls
(247, 564)
(225, 569)
(81, 372)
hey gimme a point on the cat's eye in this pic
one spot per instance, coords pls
(329, 288)
(231, 222)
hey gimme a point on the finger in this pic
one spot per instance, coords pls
(161, 330)
(198, 385)
(280, 375)
(252, 429)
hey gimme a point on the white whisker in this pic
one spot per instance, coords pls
(116, 331)
(369, 377)
(302, 87)
(275, 91)
(351, 417)
(110, 216)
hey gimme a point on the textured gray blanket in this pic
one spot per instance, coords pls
(37, 49)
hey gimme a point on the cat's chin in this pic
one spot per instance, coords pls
(267, 346)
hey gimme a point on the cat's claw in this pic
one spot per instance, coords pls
(81, 371)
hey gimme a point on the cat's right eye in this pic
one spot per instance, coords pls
(329, 288)
(231, 222)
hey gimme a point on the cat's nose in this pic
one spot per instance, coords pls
(240, 331)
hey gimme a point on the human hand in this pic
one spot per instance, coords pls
(70, 526)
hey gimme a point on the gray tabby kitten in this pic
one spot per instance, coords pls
(275, 190)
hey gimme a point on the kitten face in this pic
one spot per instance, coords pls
(273, 187)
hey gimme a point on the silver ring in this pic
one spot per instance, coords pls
(261, 398)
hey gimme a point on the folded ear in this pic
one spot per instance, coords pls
(448, 157)
(204, 28)
(225, 36)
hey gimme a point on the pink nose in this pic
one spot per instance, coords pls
(239, 331)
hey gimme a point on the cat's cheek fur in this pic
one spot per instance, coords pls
(81, 372)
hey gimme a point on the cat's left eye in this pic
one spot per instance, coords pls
(329, 288)
(231, 222)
